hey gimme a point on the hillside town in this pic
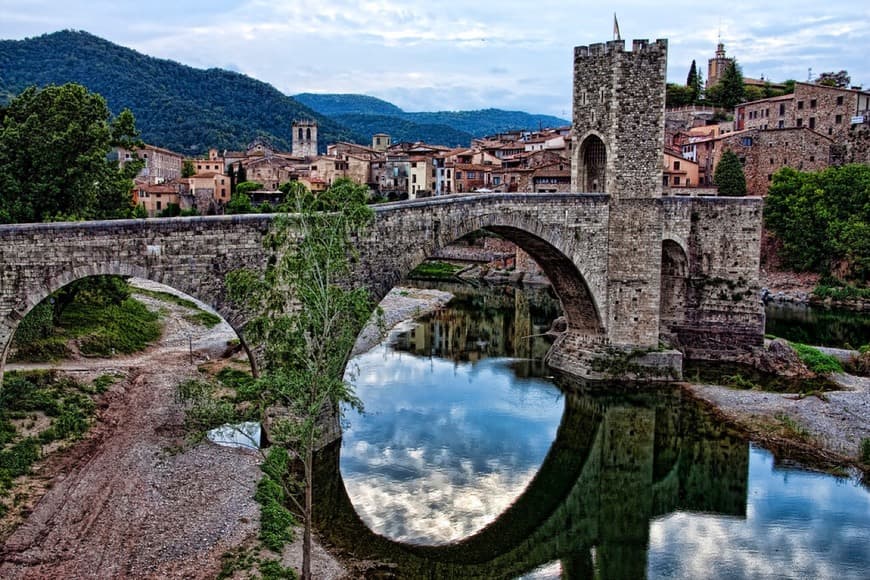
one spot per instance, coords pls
(813, 127)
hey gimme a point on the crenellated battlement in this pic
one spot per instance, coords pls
(638, 46)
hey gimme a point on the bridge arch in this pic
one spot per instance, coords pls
(674, 285)
(111, 268)
(545, 244)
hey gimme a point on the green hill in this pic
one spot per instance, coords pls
(178, 107)
(426, 125)
(400, 129)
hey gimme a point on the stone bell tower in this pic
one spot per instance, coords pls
(304, 138)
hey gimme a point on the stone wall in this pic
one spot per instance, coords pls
(721, 238)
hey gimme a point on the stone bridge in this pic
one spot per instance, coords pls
(682, 269)
(632, 269)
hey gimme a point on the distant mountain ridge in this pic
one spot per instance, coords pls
(351, 109)
(190, 110)
(178, 107)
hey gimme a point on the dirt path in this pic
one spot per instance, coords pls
(131, 501)
(128, 501)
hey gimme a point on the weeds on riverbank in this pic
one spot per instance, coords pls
(97, 330)
(816, 360)
(198, 316)
(38, 409)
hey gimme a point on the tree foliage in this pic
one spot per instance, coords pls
(694, 82)
(178, 107)
(729, 91)
(306, 343)
(839, 79)
(822, 219)
(677, 95)
(728, 176)
(54, 157)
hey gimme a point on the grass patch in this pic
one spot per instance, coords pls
(200, 316)
(816, 360)
(865, 450)
(842, 292)
(25, 395)
(792, 428)
(435, 269)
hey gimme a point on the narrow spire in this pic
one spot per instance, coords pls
(616, 35)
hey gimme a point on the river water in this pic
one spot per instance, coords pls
(472, 460)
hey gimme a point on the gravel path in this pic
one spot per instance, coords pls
(130, 501)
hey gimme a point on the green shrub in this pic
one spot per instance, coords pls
(273, 570)
(817, 361)
(865, 450)
(434, 269)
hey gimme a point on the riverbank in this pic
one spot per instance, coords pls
(825, 429)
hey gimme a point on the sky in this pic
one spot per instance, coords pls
(455, 54)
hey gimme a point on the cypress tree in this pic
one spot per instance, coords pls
(729, 176)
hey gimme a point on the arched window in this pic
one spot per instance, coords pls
(300, 133)
(308, 134)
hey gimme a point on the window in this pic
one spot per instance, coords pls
(812, 122)
(746, 141)
(838, 119)
(159, 205)
(676, 179)
(782, 110)
(800, 122)
(780, 125)
(676, 165)
(665, 180)
(840, 100)
(458, 175)
(414, 178)
(769, 177)
(800, 105)
(812, 157)
(812, 103)
(470, 175)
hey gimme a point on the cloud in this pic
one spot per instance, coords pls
(455, 53)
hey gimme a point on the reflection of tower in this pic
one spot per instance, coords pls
(626, 499)
(305, 138)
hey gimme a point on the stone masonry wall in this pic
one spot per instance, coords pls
(722, 237)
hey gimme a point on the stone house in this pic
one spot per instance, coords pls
(161, 165)
(764, 151)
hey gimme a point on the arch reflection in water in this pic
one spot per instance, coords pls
(620, 459)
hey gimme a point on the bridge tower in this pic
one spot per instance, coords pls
(305, 138)
(619, 104)
(619, 111)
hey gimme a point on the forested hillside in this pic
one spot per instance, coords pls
(368, 115)
(176, 106)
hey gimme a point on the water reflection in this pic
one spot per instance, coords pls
(607, 481)
(818, 326)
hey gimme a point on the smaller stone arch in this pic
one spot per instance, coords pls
(107, 268)
(674, 288)
(590, 164)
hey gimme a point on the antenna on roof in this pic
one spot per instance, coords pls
(810, 74)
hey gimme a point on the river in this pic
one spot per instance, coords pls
(473, 460)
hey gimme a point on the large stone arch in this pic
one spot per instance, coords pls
(37, 294)
(544, 243)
